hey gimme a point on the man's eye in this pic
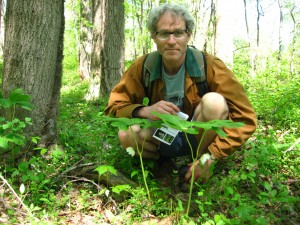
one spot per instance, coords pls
(178, 33)
(164, 34)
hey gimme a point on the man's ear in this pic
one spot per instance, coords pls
(154, 39)
(189, 36)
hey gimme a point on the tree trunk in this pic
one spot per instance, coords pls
(33, 56)
(107, 62)
(251, 52)
(2, 13)
(112, 52)
(257, 22)
(294, 38)
(280, 47)
(209, 43)
(85, 42)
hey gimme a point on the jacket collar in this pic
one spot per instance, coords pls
(191, 66)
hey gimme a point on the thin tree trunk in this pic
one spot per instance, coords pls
(280, 47)
(211, 31)
(257, 22)
(252, 54)
(293, 49)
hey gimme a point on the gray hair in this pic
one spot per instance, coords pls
(176, 10)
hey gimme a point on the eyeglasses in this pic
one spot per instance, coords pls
(165, 35)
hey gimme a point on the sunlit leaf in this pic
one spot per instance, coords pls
(106, 168)
(124, 123)
(119, 188)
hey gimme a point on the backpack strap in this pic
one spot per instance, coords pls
(148, 69)
(201, 81)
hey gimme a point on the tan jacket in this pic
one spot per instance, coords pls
(129, 93)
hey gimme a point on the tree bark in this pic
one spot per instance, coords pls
(2, 13)
(33, 54)
(107, 62)
(280, 47)
(251, 52)
(257, 22)
(85, 41)
(209, 44)
(112, 52)
(293, 48)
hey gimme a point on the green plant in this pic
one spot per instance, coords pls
(193, 127)
(11, 128)
(175, 122)
(125, 124)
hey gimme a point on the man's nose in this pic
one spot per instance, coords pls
(171, 39)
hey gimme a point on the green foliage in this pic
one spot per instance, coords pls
(11, 128)
(105, 168)
(272, 90)
(191, 127)
(257, 185)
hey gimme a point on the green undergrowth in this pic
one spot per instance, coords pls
(257, 185)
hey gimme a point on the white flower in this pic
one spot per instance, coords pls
(204, 158)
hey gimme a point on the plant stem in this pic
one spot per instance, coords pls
(141, 161)
(193, 170)
(144, 176)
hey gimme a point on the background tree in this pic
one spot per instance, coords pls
(137, 35)
(85, 40)
(33, 56)
(2, 13)
(280, 46)
(295, 33)
(107, 61)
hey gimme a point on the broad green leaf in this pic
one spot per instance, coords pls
(175, 122)
(16, 138)
(219, 131)
(17, 97)
(134, 173)
(228, 190)
(5, 103)
(106, 168)
(217, 124)
(119, 188)
(190, 126)
(23, 167)
(3, 143)
(267, 186)
(124, 123)
(244, 176)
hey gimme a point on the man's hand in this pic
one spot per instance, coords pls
(162, 106)
(201, 171)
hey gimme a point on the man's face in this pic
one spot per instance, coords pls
(173, 48)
